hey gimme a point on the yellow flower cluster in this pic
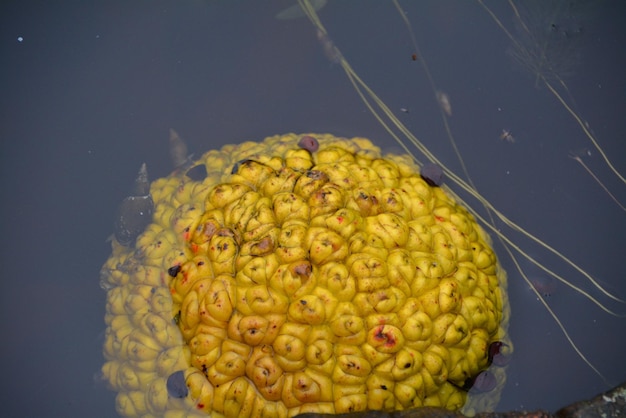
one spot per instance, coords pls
(293, 279)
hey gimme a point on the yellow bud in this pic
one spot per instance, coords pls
(229, 366)
(217, 301)
(264, 371)
(479, 345)
(170, 360)
(262, 300)
(385, 338)
(239, 212)
(149, 235)
(435, 365)
(390, 228)
(157, 397)
(189, 314)
(365, 201)
(185, 219)
(262, 224)
(333, 154)
(298, 159)
(318, 352)
(137, 300)
(209, 224)
(130, 403)
(401, 269)
(344, 222)
(386, 300)
(289, 351)
(449, 295)
(273, 410)
(366, 266)
(351, 403)
(224, 194)
(340, 175)
(433, 401)
(387, 170)
(366, 176)
(141, 347)
(336, 278)
(301, 331)
(294, 280)
(380, 394)
(461, 365)
(350, 328)
(310, 182)
(410, 392)
(418, 327)
(419, 238)
(116, 299)
(254, 269)
(288, 206)
(308, 309)
(161, 301)
(407, 362)
(251, 173)
(239, 398)
(325, 245)
(430, 303)
(116, 341)
(283, 182)
(253, 329)
(126, 377)
(301, 388)
(222, 250)
(351, 370)
(163, 331)
(371, 284)
(163, 187)
(110, 275)
(156, 249)
(207, 340)
(484, 258)
(454, 399)
(292, 235)
(182, 194)
(194, 270)
(326, 200)
(148, 275)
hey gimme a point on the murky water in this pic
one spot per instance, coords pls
(91, 90)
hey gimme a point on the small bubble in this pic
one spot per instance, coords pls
(20, 39)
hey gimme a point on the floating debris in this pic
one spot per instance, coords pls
(135, 211)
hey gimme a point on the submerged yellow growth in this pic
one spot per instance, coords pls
(291, 279)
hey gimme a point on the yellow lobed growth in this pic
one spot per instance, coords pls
(290, 281)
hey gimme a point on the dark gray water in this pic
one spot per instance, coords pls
(89, 91)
